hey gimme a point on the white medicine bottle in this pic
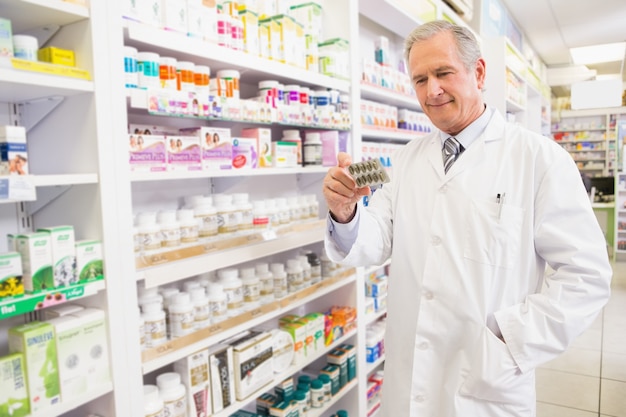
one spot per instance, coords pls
(306, 270)
(281, 286)
(284, 215)
(149, 295)
(142, 331)
(172, 392)
(206, 214)
(154, 324)
(149, 231)
(245, 208)
(233, 287)
(295, 278)
(312, 149)
(189, 229)
(218, 302)
(181, 315)
(201, 312)
(260, 216)
(267, 281)
(251, 286)
(152, 403)
(272, 212)
(170, 228)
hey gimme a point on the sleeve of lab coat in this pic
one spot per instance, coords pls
(568, 237)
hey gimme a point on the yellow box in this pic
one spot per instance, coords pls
(250, 22)
(57, 56)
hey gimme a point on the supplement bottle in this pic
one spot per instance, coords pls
(267, 281)
(152, 403)
(233, 287)
(189, 230)
(284, 216)
(312, 149)
(300, 398)
(295, 276)
(306, 270)
(327, 386)
(201, 312)
(149, 231)
(181, 314)
(260, 217)
(170, 228)
(154, 324)
(251, 285)
(227, 215)
(218, 302)
(316, 267)
(172, 392)
(244, 207)
(167, 73)
(149, 295)
(207, 217)
(317, 394)
(272, 213)
(280, 280)
(306, 389)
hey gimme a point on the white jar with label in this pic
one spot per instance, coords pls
(173, 394)
(227, 215)
(312, 149)
(281, 286)
(189, 230)
(148, 296)
(284, 214)
(206, 214)
(267, 281)
(251, 286)
(149, 231)
(306, 270)
(154, 324)
(201, 312)
(152, 403)
(25, 47)
(295, 279)
(260, 216)
(272, 212)
(233, 287)
(170, 228)
(218, 302)
(241, 201)
(181, 315)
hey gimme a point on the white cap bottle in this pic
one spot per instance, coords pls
(154, 324)
(281, 286)
(306, 270)
(173, 394)
(152, 403)
(170, 228)
(233, 287)
(201, 312)
(218, 302)
(181, 315)
(294, 271)
(251, 286)
(267, 281)
(244, 208)
(189, 229)
(149, 231)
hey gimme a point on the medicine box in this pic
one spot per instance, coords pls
(333, 372)
(263, 137)
(72, 357)
(174, 16)
(351, 352)
(222, 376)
(6, 38)
(216, 146)
(285, 154)
(183, 153)
(36, 252)
(57, 56)
(245, 153)
(340, 358)
(194, 373)
(13, 150)
(61, 310)
(94, 341)
(252, 359)
(36, 341)
(376, 286)
(147, 153)
(11, 275)
(13, 391)
(63, 254)
(264, 403)
(298, 334)
(316, 321)
(89, 266)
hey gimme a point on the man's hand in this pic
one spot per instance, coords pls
(340, 190)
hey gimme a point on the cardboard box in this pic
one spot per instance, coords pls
(245, 153)
(63, 254)
(216, 145)
(36, 342)
(95, 341)
(147, 153)
(252, 358)
(72, 357)
(263, 137)
(13, 391)
(89, 266)
(11, 275)
(222, 376)
(36, 252)
(183, 153)
(58, 56)
(194, 373)
(6, 38)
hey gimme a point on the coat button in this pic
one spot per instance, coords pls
(428, 295)
(443, 189)
(418, 398)
(423, 346)
(435, 240)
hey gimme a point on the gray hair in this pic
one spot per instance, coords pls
(466, 43)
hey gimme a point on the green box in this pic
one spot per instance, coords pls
(36, 342)
(63, 254)
(13, 392)
(351, 352)
(6, 38)
(89, 265)
(36, 252)
(11, 275)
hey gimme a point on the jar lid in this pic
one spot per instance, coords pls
(186, 65)
(203, 69)
(228, 74)
(167, 60)
(168, 380)
(148, 56)
(151, 393)
(268, 84)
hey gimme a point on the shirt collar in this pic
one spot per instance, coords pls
(468, 135)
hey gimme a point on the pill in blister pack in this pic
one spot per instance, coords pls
(368, 173)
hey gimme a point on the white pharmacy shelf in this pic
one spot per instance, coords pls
(66, 406)
(288, 373)
(175, 349)
(372, 366)
(389, 134)
(29, 14)
(65, 179)
(394, 17)
(371, 318)
(389, 97)
(195, 50)
(179, 175)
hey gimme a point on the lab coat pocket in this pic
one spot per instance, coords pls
(494, 376)
(493, 233)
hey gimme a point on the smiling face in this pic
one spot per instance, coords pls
(448, 92)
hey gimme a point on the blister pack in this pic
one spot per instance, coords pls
(368, 173)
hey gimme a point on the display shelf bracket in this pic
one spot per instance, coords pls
(30, 113)
(46, 196)
(25, 220)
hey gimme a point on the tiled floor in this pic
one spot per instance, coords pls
(589, 380)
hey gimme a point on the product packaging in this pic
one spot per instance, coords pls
(245, 153)
(263, 137)
(72, 357)
(351, 352)
(216, 146)
(194, 372)
(57, 56)
(222, 376)
(13, 150)
(147, 152)
(285, 154)
(36, 341)
(340, 358)
(298, 334)
(6, 38)
(252, 358)
(36, 252)
(63, 254)
(13, 391)
(94, 340)
(183, 153)
(11, 275)
(89, 266)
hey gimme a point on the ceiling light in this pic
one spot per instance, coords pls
(607, 52)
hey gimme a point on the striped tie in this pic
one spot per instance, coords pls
(451, 150)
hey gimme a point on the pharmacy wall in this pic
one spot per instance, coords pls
(161, 207)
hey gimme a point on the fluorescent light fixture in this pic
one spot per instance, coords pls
(607, 52)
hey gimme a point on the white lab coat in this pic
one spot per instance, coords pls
(465, 270)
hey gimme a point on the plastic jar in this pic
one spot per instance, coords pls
(303, 203)
(314, 206)
(181, 314)
(25, 47)
(292, 95)
(260, 217)
(251, 285)
(295, 278)
(322, 99)
(306, 389)
(304, 379)
(229, 80)
(312, 149)
(150, 295)
(233, 287)
(227, 217)
(154, 324)
(148, 69)
(317, 394)
(281, 286)
(191, 285)
(244, 207)
(149, 231)
(207, 219)
(201, 312)
(170, 228)
(316, 267)
(284, 216)
(185, 76)
(268, 92)
(344, 102)
(202, 77)
(189, 230)
(267, 280)
(272, 212)
(306, 270)
(294, 136)
(305, 92)
(173, 393)
(325, 378)
(300, 397)
(131, 76)
(167, 73)
(152, 403)
(218, 303)
(280, 94)
(295, 211)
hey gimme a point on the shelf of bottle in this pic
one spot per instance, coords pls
(586, 129)
(181, 175)
(175, 349)
(184, 48)
(319, 412)
(388, 96)
(371, 132)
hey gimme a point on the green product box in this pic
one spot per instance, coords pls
(13, 392)
(89, 260)
(71, 357)
(351, 352)
(36, 341)
(6, 38)
(333, 371)
(36, 252)
(11, 275)
(340, 358)
(63, 254)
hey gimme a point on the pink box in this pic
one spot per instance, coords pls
(183, 153)
(215, 144)
(245, 154)
(264, 144)
(147, 152)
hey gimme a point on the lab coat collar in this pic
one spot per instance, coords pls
(472, 156)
